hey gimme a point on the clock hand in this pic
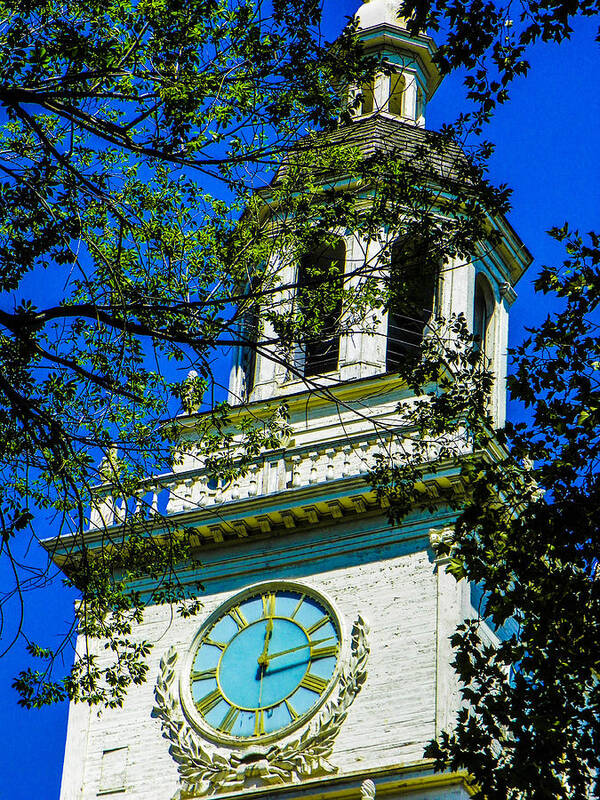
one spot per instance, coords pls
(262, 675)
(263, 659)
(300, 647)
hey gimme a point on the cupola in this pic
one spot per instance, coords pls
(422, 280)
(410, 77)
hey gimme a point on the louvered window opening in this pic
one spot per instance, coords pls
(248, 360)
(482, 313)
(322, 268)
(413, 302)
(404, 337)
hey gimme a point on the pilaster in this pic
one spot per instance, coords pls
(451, 603)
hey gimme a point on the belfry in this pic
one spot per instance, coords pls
(319, 665)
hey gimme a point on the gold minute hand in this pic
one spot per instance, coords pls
(300, 647)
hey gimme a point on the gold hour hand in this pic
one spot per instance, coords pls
(263, 659)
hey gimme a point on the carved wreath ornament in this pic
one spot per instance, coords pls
(203, 770)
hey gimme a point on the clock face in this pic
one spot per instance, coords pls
(265, 661)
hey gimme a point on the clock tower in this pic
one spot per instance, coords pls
(319, 665)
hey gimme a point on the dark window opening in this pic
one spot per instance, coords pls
(320, 302)
(482, 313)
(249, 335)
(413, 281)
(248, 365)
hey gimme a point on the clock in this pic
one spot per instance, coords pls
(263, 663)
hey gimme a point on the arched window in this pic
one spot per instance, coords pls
(482, 313)
(320, 278)
(396, 101)
(414, 271)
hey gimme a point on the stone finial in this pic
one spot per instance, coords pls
(507, 291)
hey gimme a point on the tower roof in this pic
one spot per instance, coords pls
(382, 135)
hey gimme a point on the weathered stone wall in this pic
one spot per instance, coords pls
(365, 567)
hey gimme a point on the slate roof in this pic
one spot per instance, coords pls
(381, 134)
(430, 154)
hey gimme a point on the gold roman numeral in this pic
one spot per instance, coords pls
(229, 720)
(259, 722)
(220, 645)
(268, 601)
(318, 624)
(237, 616)
(324, 652)
(209, 702)
(291, 710)
(204, 675)
(314, 683)
(297, 609)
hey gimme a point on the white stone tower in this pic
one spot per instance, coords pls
(320, 664)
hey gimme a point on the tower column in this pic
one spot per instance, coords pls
(362, 351)
(451, 609)
(269, 373)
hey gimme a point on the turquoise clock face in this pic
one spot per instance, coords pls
(265, 663)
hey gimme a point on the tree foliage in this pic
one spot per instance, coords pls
(150, 169)
(133, 135)
(526, 536)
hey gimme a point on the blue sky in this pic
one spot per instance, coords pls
(546, 150)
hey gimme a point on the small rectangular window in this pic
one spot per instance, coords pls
(113, 770)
